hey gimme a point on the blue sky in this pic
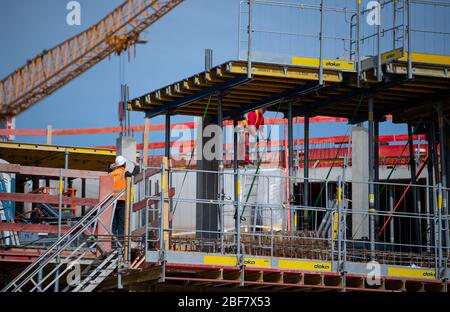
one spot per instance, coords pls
(175, 50)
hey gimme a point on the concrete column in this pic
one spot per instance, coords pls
(360, 172)
(207, 188)
(126, 146)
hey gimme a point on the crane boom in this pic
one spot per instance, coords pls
(54, 68)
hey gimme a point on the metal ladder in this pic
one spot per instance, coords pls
(55, 264)
(96, 272)
(397, 27)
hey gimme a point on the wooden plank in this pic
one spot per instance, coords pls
(139, 232)
(148, 173)
(33, 228)
(47, 199)
(143, 203)
(51, 172)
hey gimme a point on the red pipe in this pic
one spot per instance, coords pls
(402, 198)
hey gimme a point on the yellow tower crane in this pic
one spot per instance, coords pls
(54, 68)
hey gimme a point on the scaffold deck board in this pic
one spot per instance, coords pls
(207, 277)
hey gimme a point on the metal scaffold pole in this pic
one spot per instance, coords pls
(430, 183)
(236, 182)
(371, 179)
(376, 166)
(291, 164)
(167, 155)
(444, 199)
(358, 42)
(379, 71)
(306, 163)
(408, 20)
(321, 44)
(60, 200)
(221, 181)
(250, 34)
(412, 166)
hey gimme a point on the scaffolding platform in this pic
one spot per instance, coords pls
(339, 96)
(53, 156)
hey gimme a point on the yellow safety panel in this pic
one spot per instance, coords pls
(392, 55)
(411, 273)
(339, 195)
(427, 58)
(257, 262)
(335, 225)
(52, 156)
(227, 260)
(305, 265)
(220, 260)
(327, 64)
(56, 148)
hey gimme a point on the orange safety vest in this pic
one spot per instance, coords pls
(120, 182)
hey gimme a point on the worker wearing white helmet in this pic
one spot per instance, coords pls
(119, 173)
